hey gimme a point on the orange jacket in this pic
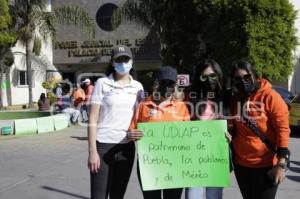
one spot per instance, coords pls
(78, 96)
(148, 111)
(270, 112)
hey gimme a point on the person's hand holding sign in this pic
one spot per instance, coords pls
(134, 134)
(228, 136)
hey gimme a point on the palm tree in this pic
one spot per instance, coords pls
(148, 14)
(32, 22)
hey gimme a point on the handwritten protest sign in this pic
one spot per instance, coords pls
(183, 154)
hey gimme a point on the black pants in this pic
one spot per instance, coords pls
(116, 161)
(254, 183)
(157, 194)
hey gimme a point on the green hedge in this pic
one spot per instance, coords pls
(11, 115)
(261, 31)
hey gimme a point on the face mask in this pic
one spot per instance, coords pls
(211, 85)
(210, 88)
(123, 68)
(165, 91)
(245, 87)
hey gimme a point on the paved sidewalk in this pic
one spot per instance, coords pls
(53, 166)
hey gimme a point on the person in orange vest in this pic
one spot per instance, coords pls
(161, 106)
(78, 96)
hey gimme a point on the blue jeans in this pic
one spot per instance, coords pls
(85, 111)
(198, 193)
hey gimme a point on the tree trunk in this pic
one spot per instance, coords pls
(1, 88)
(29, 71)
(2, 52)
(8, 87)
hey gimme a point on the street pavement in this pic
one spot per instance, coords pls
(54, 166)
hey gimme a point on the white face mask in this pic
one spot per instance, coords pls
(123, 68)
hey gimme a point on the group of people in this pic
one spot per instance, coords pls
(257, 117)
(81, 98)
(77, 102)
(74, 103)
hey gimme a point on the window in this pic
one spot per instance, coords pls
(105, 19)
(22, 78)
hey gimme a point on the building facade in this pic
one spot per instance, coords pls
(76, 54)
(15, 85)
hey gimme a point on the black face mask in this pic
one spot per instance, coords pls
(245, 87)
(211, 88)
(211, 85)
(165, 88)
(165, 91)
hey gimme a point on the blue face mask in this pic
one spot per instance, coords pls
(123, 68)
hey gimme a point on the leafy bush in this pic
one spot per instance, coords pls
(261, 31)
(49, 85)
(52, 97)
(7, 37)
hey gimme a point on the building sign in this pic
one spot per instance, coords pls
(183, 80)
(98, 47)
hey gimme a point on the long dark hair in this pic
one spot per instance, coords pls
(244, 65)
(197, 85)
(43, 97)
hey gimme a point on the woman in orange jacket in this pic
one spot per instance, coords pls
(259, 113)
(161, 106)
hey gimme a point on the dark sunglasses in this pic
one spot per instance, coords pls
(122, 59)
(245, 77)
(212, 76)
